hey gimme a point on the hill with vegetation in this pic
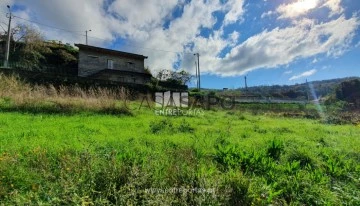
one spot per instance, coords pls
(30, 51)
(298, 91)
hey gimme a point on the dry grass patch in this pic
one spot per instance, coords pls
(16, 94)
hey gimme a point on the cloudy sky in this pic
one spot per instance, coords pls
(270, 41)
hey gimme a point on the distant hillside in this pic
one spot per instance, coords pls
(298, 91)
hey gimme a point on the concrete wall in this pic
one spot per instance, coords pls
(91, 62)
(126, 78)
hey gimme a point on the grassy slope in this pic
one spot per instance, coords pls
(112, 159)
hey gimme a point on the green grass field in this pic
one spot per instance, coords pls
(220, 158)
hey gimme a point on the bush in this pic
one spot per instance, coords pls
(160, 126)
(302, 157)
(185, 127)
(238, 187)
(275, 148)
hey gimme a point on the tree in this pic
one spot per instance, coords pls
(32, 54)
(163, 75)
(147, 70)
(27, 46)
(182, 77)
(349, 91)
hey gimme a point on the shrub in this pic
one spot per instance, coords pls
(231, 157)
(238, 187)
(166, 125)
(259, 130)
(157, 127)
(242, 117)
(185, 127)
(275, 148)
(302, 157)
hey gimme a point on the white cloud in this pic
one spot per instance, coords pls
(79, 16)
(270, 49)
(143, 27)
(234, 37)
(305, 74)
(288, 72)
(357, 45)
(235, 13)
(140, 27)
(297, 8)
(156, 11)
(302, 7)
(183, 31)
(334, 6)
(3, 4)
(325, 67)
(267, 14)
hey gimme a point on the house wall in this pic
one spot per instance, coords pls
(126, 78)
(91, 62)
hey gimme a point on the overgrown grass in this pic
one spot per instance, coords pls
(16, 95)
(93, 157)
(105, 159)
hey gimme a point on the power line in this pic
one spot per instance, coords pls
(94, 37)
(158, 49)
(3, 27)
(46, 25)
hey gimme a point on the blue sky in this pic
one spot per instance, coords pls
(270, 41)
(326, 67)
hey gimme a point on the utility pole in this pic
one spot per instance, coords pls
(307, 91)
(197, 80)
(246, 86)
(198, 58)
(86, 34)
(7, 53)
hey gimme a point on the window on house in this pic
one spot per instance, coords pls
(110, 64)
(131, 65)
(93, 57)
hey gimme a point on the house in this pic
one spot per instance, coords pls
(112, 65)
